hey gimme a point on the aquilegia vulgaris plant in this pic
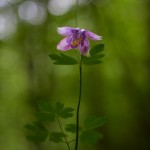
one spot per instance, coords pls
(74, 39)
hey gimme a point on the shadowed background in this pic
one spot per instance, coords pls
(118, 88)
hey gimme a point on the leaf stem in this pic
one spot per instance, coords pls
(78, 106)
(66, 141)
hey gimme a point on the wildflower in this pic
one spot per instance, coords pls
(76, 38)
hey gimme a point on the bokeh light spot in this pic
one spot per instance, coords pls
(60, 7)
(32, 12)
(8, 23)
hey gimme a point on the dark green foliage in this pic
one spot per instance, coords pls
(94, 122)
(62, 59)
(45, 111)
(45, 106)
(95, 56)
(56, 137)
(59, 107)
(96, 49)
(90, 137)
(63, 112)
(47, 114)
(38, 132)
(71, 128)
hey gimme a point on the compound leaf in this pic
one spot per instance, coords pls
(67, 112)
(71, 128)
(90, 137)
(95, 56)
(38, 132)
(56, 137)
(45, 106)
(94, 122)
(63, 112)
(59, 107)
(96, 49)
(62, 59)
(45, 111)
(45, 116)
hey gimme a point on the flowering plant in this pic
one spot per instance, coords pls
(76, 39)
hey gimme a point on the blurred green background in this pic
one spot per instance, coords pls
(118, 88)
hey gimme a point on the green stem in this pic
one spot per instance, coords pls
(63, 134)
(78, 106)
(80, 82)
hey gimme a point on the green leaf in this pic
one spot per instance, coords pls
(94, 122)
(63, 59)
(59, 107)
(64, 112)
(38, 133)
(99, 56)
(96, 49)
(36, 138)
(45, 116)
(90, 137)
(95, 56)
(67, 112)
(91, 62)
(46, 111)
(45, 106)
(56, 137)
(72, 128)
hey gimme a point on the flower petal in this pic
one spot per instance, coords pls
(65, 31)
(93, 36)
(84, 47)
(69, 38)
(63, 45)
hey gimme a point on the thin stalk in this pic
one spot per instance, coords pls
(66, 141)
(78, 106)
(80, 82)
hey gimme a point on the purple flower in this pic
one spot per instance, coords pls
(76, 38)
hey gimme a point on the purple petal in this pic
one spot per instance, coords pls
(63, 45)
(70, 39)
(84, 47)
(65, 31)
(93, 36)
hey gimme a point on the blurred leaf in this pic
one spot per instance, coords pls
(89, 61)
(59, 107)
(71, 128)
(45, 106)
(67, 112)
(96, 49)
(46, 111)
(63, 112)
(63, 59)
(38, 132)
(56, 136)
(94, 122)
(45, 116)
(90, 137)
